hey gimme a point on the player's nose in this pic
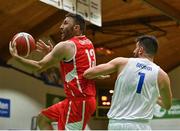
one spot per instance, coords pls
(61, 27)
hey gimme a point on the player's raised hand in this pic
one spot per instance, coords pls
(43, 47)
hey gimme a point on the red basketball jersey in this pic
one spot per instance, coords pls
(75, 85)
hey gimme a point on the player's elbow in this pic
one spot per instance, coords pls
(168, 106)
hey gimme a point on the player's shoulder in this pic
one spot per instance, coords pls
(120, 60)
(162, 75)
(66, 44)
(162, 72)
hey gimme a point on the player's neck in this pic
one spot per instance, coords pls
(145, 56)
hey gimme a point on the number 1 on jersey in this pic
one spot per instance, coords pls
(140, 83)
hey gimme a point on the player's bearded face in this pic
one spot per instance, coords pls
(67, 28)
(67, 33)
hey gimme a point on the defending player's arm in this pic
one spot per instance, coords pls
(105, 69)
(60, 51)
(165, 99)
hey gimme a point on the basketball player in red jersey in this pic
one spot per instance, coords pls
(75, 54)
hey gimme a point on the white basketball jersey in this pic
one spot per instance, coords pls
(136, 91)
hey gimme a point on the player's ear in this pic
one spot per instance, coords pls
(77, 27)
(141, 50)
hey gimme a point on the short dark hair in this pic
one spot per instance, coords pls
(79, 20)
(149, 43)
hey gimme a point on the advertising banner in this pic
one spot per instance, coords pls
(83, 9)
(4, 107)
(95, 12)
(69, 5)
(90, 10)
(55, 3)
(174, 111)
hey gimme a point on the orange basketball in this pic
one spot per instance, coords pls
(24, 43)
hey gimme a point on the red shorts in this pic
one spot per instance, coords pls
(72, 113)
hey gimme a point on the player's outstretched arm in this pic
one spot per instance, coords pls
(105, 69)
(60, 51)
(165, 99)
(28, 63)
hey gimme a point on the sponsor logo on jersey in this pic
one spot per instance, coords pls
(143, 66)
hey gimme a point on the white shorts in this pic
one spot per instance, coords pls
(128, 125)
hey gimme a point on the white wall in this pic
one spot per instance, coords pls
(27, 96)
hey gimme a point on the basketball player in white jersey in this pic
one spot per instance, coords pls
(139, 86)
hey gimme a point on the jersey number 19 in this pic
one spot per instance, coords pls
(91, 57)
